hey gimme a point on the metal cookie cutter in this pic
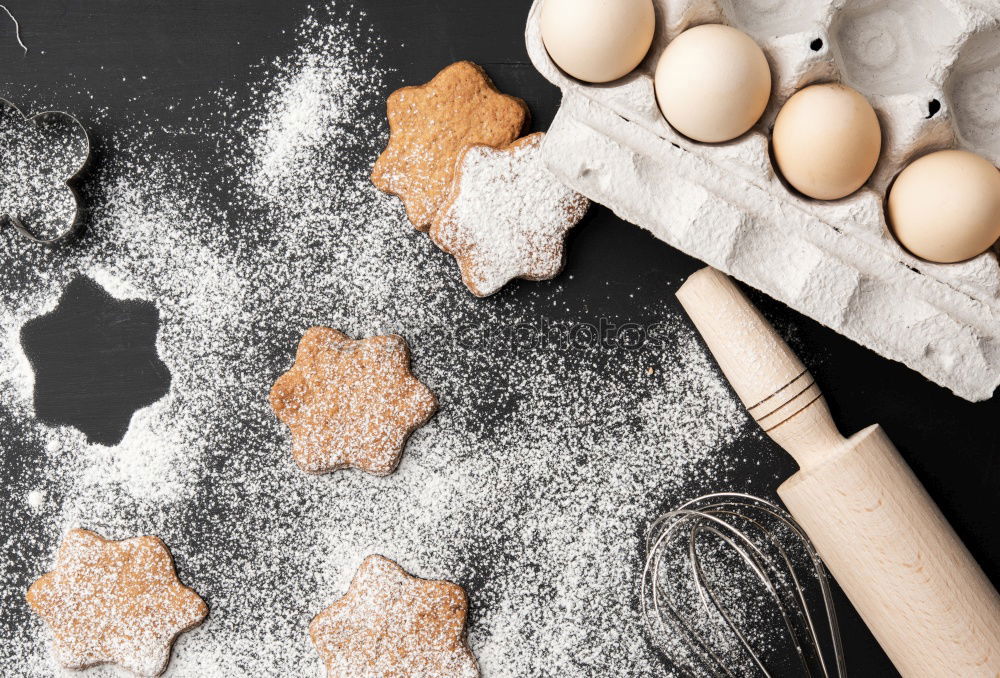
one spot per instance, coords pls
(65, 133)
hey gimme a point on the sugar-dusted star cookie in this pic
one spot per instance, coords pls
(507, 216)
(350, 403)
(429, 125)
(394, 625)
(114, 602)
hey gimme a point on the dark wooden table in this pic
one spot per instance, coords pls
(85, 55)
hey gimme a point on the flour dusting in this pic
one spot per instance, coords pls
(532, 487)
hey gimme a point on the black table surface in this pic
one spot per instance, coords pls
(85, 56)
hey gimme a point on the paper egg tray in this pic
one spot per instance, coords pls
(931, 69)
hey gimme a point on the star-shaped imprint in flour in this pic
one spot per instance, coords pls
(431, 124)
(95, 361)
(114, 602)
(394, 625)
(507, 216)
(351, 403)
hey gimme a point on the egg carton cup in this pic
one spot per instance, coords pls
(930, 68)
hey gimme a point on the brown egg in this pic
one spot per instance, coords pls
(826, 141)
(945, 206)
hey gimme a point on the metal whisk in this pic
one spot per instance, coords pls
(730, 587)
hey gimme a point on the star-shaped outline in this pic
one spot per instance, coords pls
(101, 592)
(391, 624)
(87, 339)
(351, 403)
(430, 125)
(543, 252)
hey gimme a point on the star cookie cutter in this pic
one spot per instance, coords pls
(75, 143)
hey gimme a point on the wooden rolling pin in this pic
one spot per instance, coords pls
(917, 587)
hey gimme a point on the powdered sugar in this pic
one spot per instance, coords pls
(531, 487)
(507, 216)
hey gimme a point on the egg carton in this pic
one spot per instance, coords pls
(930, 68)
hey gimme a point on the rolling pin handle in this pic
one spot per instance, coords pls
(776, 388)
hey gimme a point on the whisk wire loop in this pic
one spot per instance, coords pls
(760, 534)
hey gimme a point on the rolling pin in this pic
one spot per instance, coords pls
(919, 590)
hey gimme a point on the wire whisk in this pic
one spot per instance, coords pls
(732, 587)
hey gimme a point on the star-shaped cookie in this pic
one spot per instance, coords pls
(429, 125)
(394, 625)
(507, 216)
(351, 403)
(114, 602)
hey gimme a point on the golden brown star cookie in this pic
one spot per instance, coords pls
(429, 126)
(394, 625)
(114, 602)
(351, 403)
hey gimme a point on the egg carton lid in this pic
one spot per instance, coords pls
(811, 256)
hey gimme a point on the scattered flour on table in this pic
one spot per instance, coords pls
(36, 498)
(532, 487)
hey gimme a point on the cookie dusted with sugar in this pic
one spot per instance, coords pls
(507, 216)
(430, 125)
(391, 624)
(351, 403)
(114, 602)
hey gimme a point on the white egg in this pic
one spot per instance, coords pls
(945, 206)
(713, 83)
(598, 40)
(827, 141)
